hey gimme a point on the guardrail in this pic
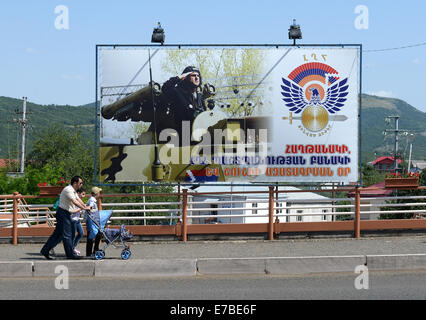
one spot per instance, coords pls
(204, 213)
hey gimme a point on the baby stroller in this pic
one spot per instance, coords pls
(96, 221)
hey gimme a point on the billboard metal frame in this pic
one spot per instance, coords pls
(97, 114)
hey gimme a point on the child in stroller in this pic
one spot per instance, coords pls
(96, 222)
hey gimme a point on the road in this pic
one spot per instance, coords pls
(408, 285)
(268, 292)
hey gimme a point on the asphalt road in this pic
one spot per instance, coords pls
(381, 286)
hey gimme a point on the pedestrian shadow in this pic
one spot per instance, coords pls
(59, 256)
(39, 256)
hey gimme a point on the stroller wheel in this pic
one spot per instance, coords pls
(99, 255)
(125, 254)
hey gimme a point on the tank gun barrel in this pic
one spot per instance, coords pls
(142, 95)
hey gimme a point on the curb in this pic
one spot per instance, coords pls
(280, 265)
(211, 266)
(74, 268)
(16, 269)
(153, 268)
(396, 262)
(307, 265)
(145, 268)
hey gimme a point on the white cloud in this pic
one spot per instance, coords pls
(416, 61)
(382, 93)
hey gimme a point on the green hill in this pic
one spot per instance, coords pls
(39, 116)
(373, 113)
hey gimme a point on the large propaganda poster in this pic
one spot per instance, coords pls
(228, 114)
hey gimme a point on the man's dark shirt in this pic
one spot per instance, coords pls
(184, 105)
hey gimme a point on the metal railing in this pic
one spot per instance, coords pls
(204, 213)
(6, 206)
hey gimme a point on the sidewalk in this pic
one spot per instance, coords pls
(227, 257)
(239, 249)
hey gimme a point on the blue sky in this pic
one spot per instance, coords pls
(52, 66)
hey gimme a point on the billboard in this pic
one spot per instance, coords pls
(194, 114)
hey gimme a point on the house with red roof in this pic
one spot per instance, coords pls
(385, 163)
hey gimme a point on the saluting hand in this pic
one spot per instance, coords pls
(184, 75)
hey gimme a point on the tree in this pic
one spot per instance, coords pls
(28, 184)
(65, 151)
(370, 175)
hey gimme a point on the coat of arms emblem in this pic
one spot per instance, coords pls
(316, 91)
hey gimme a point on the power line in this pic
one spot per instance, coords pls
(397, 48)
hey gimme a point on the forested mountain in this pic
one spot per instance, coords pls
(39, 117)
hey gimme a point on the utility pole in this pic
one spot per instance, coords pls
(395, 153)
(23, 123)
(396, 132)
(411, 148)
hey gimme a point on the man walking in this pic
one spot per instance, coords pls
(69, 200)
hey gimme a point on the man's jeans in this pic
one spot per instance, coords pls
(80, 232)
(63, 231)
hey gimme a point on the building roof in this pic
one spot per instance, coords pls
(2, 163)
(387, 160)
(369, 192)
(5, 162)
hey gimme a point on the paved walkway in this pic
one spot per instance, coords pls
(240, 249)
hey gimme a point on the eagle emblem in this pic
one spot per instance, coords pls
(315, 89)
